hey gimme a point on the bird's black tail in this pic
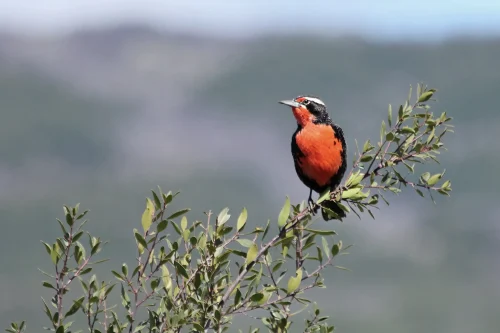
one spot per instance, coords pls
(331, 206)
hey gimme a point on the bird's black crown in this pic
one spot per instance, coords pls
(316, 106)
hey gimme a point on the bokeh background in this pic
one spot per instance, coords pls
(101, 101)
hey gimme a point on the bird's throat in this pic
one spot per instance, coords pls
(303, 116)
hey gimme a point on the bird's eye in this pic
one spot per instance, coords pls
(306, 102)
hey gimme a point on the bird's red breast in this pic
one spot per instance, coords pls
(321, 152)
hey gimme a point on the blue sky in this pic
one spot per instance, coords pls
(374, 18)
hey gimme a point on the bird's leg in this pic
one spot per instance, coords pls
(311, 204)
(310, 201)
(338, 191)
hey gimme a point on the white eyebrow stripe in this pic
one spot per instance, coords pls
(315, 100)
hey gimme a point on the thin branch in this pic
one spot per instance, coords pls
(319, 269)
(61, 286)
(273, 241)
(279, 299)
(105, 324)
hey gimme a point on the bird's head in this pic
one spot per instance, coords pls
(308, 109)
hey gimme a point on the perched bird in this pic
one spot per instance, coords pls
(318, 149)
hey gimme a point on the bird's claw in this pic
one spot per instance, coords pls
(338, 191)
(313, 208)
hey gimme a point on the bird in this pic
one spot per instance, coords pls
(319, 150)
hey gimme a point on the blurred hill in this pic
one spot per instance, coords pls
(101, 116)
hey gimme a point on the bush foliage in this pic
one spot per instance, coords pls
(195, 276)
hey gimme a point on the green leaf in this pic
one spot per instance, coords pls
(198, 327)
(167, 198)
(156, 199)
(382, 132)
(252, 253)
(407, 130)
(184, 223)
(324, 196)
(60, 329)
(237, 296)
(257, 297)
(367, 146)
(239, 253)
(245, 242)
(277, 266)
(336, 248)
(62, 226)
(141, 242)
(434, 179)
(366, 158)
(47, 247)
(320, 254)
(86, 270)
(185, 235)
(48, 285)
(79, 217)
(161, 226)
(77, 236)
(354, 179)
(69, 218)
(410, 93)
(389, 115)
(425, 176)
(284, 213)
(223, 217)
(77, 304)
(124, 269)
(431, 135)
(165, 276)
(125, 298)
(425, 96)
(342, 268)
(326, 247)
(264, 299)
(294, 282)
(147, 215)
(350, 193)
(54, 253)
(266, 229)
(181, 270)
(178, 213)
(202, 242)
(444, 192)
(109, 289)
(177, 228)
(118, 275)
(47, 310)
(154, 284)
(242, 219)
(400, 113)
(321, 232)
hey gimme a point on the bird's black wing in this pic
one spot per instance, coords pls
(339, 134)
(337, 178)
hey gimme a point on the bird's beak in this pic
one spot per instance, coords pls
(290, 103)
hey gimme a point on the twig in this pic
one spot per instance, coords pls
(319, 269)
(279, 299)
(246, 268)
(275, 239)
(105, 325)
(61, 286)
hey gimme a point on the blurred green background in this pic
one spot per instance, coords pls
(99, 114)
